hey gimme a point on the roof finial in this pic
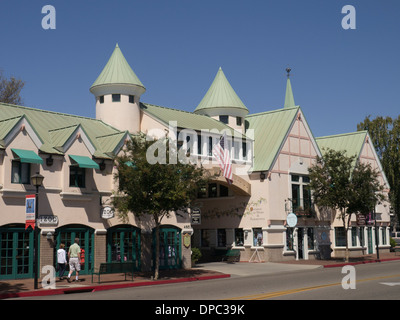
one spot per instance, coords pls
(288, 71)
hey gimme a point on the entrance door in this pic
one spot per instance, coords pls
(170, 248)
(16, 253)
(67, 236)
(300, 237)
(123, 245)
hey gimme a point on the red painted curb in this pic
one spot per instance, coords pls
(47, 292)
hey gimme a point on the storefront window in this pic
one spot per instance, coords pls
(221, 233)
(239, 237)
(340, 237)
(310, 238)
(205, 237)
(289, 239)
(257, 237)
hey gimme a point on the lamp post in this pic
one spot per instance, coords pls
(37, 181)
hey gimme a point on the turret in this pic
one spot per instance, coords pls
(117, 91)
(222, 103)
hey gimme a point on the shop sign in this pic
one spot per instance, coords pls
(291, 220)
(107, 212)
(196, 216)
(48, 220)
(361, 220)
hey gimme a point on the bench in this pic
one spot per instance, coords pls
(232, 255)
(114, 267)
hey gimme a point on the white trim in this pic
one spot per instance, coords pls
(23, 123)
(79, 132)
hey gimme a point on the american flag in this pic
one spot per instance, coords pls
(222, 155)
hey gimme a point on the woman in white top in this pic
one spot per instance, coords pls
(61, 260)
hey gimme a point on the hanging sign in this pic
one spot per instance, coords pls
(107, 212)
(361, 220)
(196, 216)
(30, 205)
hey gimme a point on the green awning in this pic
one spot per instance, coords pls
(27, 156)
(84, 162)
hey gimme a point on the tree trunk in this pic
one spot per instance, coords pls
(345, 235)
(157, 257)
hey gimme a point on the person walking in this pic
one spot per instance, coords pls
(61, 260)
(74, 256)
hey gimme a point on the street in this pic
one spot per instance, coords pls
(374, 281)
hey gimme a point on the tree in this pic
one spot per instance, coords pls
(155, 190)
(385, 135)
(342, 183)
(10, 90)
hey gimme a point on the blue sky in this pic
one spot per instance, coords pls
(176, 47)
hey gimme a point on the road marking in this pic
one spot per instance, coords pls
(392, 284)
(262, 296)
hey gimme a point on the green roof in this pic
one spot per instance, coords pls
(270, 129)
(184, 119)
(221, 94)
(117, 71)
(351, 143)
(54, 129)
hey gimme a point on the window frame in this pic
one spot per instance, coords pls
(21, 174)
(74, 176)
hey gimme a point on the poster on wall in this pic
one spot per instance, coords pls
(30, 205)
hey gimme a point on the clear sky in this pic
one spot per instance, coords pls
(176, 47)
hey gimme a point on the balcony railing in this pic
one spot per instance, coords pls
(301, 207)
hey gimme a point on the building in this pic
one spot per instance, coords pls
(270, 151)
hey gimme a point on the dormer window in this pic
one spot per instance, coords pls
(224, 119)
(101, 99)
(239, 121)
(131, 99)
(116, 98)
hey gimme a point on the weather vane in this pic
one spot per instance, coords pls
(288, 72)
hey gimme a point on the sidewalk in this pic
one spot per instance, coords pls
(24, 287)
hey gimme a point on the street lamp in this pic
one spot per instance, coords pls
(37, 181)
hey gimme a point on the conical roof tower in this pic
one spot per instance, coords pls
(117, 91)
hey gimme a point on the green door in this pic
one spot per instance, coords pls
(67, 236)
(170, 248)
(123, 245)
(16, 253)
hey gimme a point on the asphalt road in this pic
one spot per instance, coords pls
(375, 281)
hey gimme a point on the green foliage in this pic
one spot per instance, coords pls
(10, 89)
(155, 189)
(196, 254)
(148, 187)
(342, 183)
(385, 136)
(392, 242)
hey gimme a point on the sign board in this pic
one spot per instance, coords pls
(186, 240)
(30, 207)
(291, 220)
(48, 221)
(107, 212)
(361, 220)
(196, 216)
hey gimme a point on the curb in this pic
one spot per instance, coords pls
(356, 263)
(93, 288)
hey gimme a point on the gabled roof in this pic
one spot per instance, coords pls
(117, 71)
(270, 129)
(221, 95)
(55, 129)
(351, 143)
(184, 119)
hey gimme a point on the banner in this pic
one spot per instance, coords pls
(30, 207)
